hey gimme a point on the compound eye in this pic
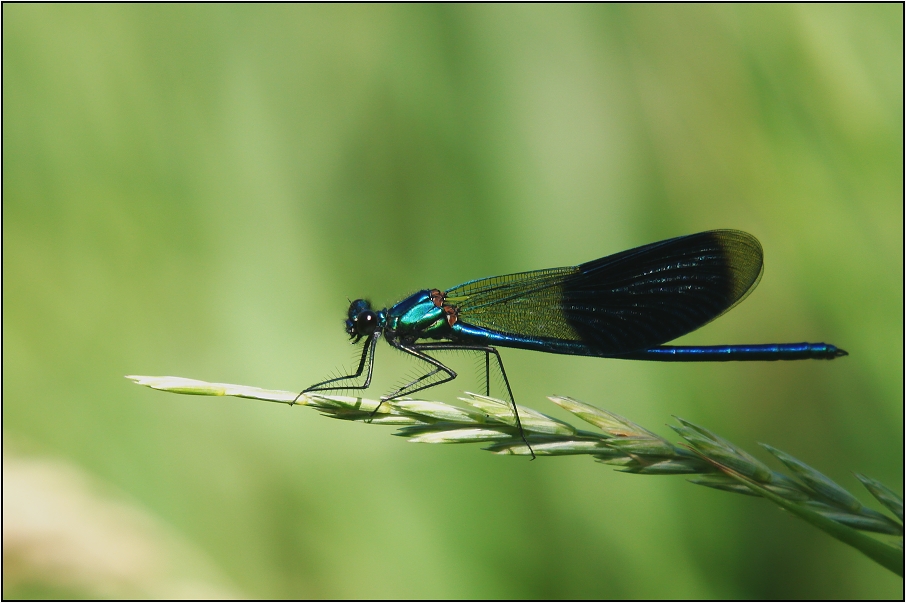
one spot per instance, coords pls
(366, 323)
(357, 307)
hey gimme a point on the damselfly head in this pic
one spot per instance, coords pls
(362, 321)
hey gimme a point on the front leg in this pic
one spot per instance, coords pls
(366, 359)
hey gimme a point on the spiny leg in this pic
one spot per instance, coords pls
(488, 350)
(402, 389)
(408, 388)
(367, 358)
(487, 374)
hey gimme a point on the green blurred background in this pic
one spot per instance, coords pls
(197, 190)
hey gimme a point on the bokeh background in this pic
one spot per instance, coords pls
(199, 190)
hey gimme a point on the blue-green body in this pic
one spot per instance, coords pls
(418, 317)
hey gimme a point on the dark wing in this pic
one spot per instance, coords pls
(629, 301)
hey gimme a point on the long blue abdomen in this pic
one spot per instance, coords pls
(726, 353)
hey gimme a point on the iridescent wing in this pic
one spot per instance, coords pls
(629, 301)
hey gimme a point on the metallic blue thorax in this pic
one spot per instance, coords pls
(420, 315)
